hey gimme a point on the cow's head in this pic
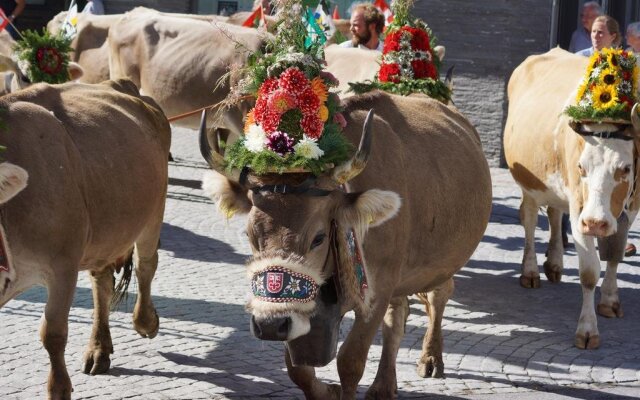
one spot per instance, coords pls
(15, 78)
(301, 230)
(608, 169)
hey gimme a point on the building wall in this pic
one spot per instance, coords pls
(484, 42)
(175, 6)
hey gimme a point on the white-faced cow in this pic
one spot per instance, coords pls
(587, 170)
(96, 156)
(403, 225)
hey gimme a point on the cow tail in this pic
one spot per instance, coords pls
(120, 291)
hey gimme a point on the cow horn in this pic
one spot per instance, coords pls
(635, 120)
(213, 156)
(350, 169)
(448, 80)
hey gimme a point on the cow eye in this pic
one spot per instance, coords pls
(626, 170)
(317, 241)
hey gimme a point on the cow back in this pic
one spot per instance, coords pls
(432, 157)
(97, 162)
(351, 65)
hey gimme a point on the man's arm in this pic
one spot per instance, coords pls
(20, 4)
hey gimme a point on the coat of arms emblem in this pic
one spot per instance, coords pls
(274, 281)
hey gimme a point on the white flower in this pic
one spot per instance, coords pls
(255, 139)
(308, 148)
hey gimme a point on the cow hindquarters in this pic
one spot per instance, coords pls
(96, 357)
(530, 277)
(54, 329)
(385, 386)
(305, 378)
(431, 364)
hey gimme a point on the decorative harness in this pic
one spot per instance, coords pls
(280, 285)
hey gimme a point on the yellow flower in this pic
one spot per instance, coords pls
(609, 76)
(604, 96)
(634, 78)
(323, 113)
(581, 89)
(593, 62)
(320, 89)
(613, 55)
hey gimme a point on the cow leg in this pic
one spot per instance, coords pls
(145, 318)
(587, 335)
(530, 277)
(385, 386)
(54, 330)
(609, 305)
(431, 364)
(305, 379)
(553, 265)
(352, 356)
(96, 357)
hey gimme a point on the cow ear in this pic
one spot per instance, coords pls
(75, 71)
(7, 64)
(230, 197)
(12, 180)
(371, 208)
(439, 52)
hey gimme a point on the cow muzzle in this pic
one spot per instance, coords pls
(596, 227)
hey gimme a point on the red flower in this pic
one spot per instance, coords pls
(270, 121)
(49, 60)
(627, 101)
(293, 81)
(268, 86)
(312, 126)
(423, 69)
(260, 108)
(391, 42)
(419, 39)
(308, 102)
(389, 73)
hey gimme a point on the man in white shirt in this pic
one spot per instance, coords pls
(94, 7)
(367, 23)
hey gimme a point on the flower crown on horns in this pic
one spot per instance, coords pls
(44, 57)
(296, 124)
(608, 90)
(409, 64)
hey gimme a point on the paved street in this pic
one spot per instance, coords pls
(501, 341)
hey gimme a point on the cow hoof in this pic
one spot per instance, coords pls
(553, 272)
(430, 367)
(611, 311)
(96, 362)
(381, 391)
(148, 333)
(587, 341)
(59, 389)
(530, 282)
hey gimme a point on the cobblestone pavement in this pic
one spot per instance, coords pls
(501, 340)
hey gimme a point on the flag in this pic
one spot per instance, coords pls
(4, 21)
(256, 19)
(315, 33)
(336, 14)
(385, 10)
(69, 25)
(324, 21)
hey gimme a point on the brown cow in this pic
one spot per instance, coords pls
(179, 61)
(424, 155)
(586, 173)
(97, 162)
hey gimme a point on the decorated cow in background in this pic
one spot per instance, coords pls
(584, 162)
(329, 235)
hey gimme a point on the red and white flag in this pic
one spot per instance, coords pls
(385, 10)
(4, 20)
(336, 13)
(256, 19)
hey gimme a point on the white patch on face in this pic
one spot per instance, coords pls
(600, 159)
(300, 326)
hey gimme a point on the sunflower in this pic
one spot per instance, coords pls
(609, 76)
(634, 78)
(604, 97)
(613, 56)
(581, 89)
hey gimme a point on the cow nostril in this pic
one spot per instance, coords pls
(283, 329)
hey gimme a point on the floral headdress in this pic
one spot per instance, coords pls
(296, 122)
(607, 91)
(409, 64)
(44, 56)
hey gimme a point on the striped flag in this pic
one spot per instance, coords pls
(256, 19)
(4, 21)
(69, 25)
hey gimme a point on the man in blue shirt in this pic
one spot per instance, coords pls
(581, 38)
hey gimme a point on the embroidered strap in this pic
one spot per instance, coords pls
(356, 260)
(4, 260)
(281, 285)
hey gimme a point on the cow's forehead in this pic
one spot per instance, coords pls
(610, 153)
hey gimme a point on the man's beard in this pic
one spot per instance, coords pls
(361, 40)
